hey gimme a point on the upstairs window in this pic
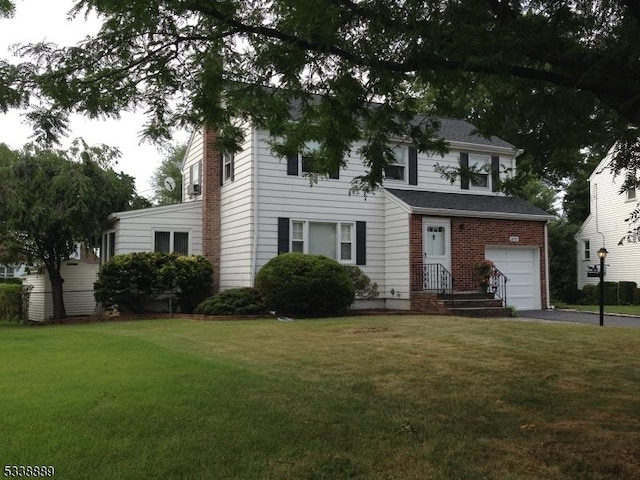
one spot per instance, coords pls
(228, 161)
(397, 170)
(586, 250)
(108, 246)
(304, 162)
(479, 168)
(195, 173)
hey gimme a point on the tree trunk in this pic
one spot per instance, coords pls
(57, 294)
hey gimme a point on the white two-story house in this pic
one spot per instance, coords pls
(416, 234)
(606, 226)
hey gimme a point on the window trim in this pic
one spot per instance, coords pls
(172, 234)
(338, 246)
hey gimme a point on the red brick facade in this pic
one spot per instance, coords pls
(470, 236)
(211, 182)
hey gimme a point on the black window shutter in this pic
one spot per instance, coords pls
(283, 235)
(413, 166)
(464, 171)
(361, 243)
(495, 173)
(233, 168)
(292, 165)
(335, 175)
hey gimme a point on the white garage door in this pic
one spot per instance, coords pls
(519, 265)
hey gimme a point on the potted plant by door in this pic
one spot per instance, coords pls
(483, 270)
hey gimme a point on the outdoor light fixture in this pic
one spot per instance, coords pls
(602, 253)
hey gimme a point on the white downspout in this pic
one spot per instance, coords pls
(254, 176)
(546, 263)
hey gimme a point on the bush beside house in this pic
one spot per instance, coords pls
(131, 281)
(299, 284)
(235, 301)
(10, 301)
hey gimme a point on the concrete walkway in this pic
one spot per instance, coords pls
(581, 317)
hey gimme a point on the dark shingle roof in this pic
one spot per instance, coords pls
(451, 129)
(461, 202)
(454, 129)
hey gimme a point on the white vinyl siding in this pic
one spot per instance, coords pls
(135, 230)
(396, 247)
(237, 219)
(190, 169)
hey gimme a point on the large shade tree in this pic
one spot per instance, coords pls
(573, 60)
(52, 201)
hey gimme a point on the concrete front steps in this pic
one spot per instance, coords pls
(474, 304)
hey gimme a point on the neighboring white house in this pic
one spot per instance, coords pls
(249, 207)
(79, 277)
(11, 271)
(606, 226)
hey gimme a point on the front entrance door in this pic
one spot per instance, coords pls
(436, 235)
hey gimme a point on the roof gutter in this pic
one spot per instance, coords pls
(479, 214)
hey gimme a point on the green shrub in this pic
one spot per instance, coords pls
(610, 293)
(626, 291)
(131, 280)
(12, 281)
(190, 278)
(235, 301)
(310, 285)
(636, 296)
(364, 288)
(10, 301)
(590, 294)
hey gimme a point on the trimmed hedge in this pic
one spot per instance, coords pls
(308, 285)
(626, 290)
(10, 301)
(11, 281)
(129, 281)
(235, 301)
(615, 293)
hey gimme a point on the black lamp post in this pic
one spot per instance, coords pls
(602, 253)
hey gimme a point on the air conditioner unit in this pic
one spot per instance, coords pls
(193, 189)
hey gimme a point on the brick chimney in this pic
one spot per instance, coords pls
(211, 185)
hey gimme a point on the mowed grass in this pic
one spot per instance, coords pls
(408, 397)
(626, 309)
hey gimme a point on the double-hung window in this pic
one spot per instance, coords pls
(397, 170)
(586, 250)
(631, 190)
(331, 239)
(228, 161)
(167, 242)
(479, 168)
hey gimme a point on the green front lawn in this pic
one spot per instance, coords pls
(626, 309)
(407, 397)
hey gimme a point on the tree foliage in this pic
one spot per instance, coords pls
(170, 166)
(570, 64)
(53, 200)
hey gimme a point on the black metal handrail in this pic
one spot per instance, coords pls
(498, 286)
(433, 277)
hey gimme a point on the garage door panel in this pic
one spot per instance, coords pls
(520, 267)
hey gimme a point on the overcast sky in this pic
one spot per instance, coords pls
(37, 20)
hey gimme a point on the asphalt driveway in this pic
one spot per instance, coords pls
(581, 317)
